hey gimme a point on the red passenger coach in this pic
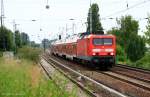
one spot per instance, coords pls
(98, 50)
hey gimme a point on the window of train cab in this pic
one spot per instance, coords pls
(102, 41)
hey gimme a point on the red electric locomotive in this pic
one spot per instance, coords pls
(98, 50)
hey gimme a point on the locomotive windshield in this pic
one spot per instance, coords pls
(102, 41)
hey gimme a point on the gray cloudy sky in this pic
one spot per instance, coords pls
(54, 20)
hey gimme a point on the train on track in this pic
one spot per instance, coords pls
(93, 49)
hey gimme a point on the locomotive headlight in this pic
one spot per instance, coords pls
(109, 50)
(112, 53)
(94, 54)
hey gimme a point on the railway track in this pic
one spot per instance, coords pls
(45, 69)
(133, 68)
(108, 92)
(138, 74)
(125, 84)
(141, 84)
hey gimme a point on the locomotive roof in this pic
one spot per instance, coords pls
(75, 37)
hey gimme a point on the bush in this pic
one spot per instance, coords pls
(29, 53)
(136, 48)
(120, 54)
(1, 54)
(144, 62)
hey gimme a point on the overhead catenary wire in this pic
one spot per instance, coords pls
(128, 8)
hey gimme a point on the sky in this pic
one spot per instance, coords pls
(63, 15)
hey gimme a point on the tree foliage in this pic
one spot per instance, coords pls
(147, 33)
(144, 62)
(127, 26)
(120, 54)
(94, 16)
(118, 34)
(128, 38)
(24, 38)
(136, 48)
(10, 41)
(6, 39)
(17, 39)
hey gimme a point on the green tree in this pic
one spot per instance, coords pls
(33, 44)
(9, 41)
(120, 54)
(6, 39)
(93, 16)
(128, 38)
(136, 48)
(127, 26)
(118, 34)
(147, 33)
(133, 44)
(17, 39)
(24, 38)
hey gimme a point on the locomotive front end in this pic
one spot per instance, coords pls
(103, 50)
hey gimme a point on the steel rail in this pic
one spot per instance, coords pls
(137, 78)
(113, 91)
(127, 81)
(133, 68)
(72, 80)
(45, 71)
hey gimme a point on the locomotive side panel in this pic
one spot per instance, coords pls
(83, 48)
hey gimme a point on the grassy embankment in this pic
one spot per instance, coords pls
(23, 78)
(142, 63)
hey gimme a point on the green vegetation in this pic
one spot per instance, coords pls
(93, 17)
(10, 41)
(20, 78)
(1, 54)
(147, 33)
(6, 39)
(128, 39)
(144, 62)
(136, 48)
(29, 53)
(120, 54)
(130, 46)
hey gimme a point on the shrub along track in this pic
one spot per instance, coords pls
(124, 84)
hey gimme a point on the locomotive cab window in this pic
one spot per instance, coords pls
(102, 41)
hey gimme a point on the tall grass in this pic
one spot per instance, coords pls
(22, 79)
(29, 53)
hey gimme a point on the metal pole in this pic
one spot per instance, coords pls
(1, 13)
(14, 27)
(90, 17)
(2, 21)
(73, 24)
(73, 27)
